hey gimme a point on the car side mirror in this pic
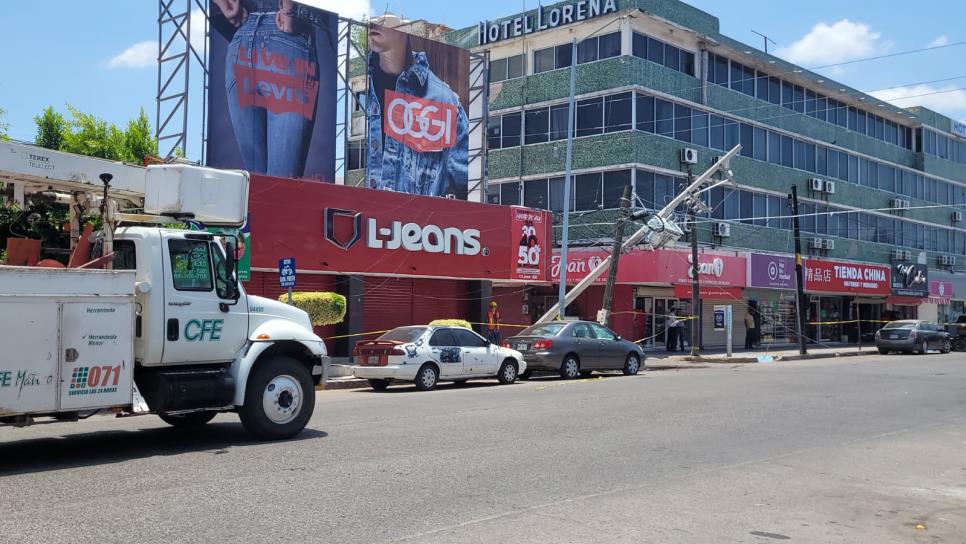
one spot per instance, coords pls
(230, 265)
(618, 337)
(487, 343)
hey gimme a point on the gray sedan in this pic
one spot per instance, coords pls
(575, 348)
(912, 336)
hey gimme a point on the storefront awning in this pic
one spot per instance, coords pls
(904, 301)
(717, 293)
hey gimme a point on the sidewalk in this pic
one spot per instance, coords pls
(661, 360)
(761, 355)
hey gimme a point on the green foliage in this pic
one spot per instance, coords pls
(43, 221)
(3, 125)
(87, 134)
(451, 323)
(324, 308)
(51, 127)
(138, 138)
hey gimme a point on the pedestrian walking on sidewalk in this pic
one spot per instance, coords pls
(749, 331)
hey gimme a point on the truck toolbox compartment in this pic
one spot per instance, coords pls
(185, 388)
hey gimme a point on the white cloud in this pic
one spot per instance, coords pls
(139, 55)
(840, 42)
(353, 9)
(144, 54)
(949, 100)
(940, 41)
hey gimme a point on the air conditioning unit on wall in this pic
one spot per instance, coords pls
(829, 244)
(816, 184)
(830, 187)
(818, 243)
(722, 230)
(901, 255)
(689, 156)
(956, 217)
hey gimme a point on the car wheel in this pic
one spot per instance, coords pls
(632, 365)
(379, 384)
(279, 399)
(193, 420)
(526, 375)
(959, 344)
(570, 367)
(883, 351)
(924, 348)
(507, 373)
(426, 378)
(946, 346)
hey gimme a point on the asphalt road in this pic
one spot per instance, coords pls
(860, 449)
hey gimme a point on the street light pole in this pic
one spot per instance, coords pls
(568, 175)
(695, 269)
(799, 279)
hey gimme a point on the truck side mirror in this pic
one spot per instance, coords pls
(230, 265)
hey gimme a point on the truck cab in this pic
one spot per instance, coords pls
(199, 344)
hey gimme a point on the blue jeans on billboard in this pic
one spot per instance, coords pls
(272, 80)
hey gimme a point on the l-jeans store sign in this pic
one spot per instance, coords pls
(348, 230)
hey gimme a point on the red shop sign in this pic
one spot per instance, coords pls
(339, 229)
(661, 266)
(846, 278)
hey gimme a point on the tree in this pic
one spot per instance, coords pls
(3, 125)
(87, 134)
(51, 127)
(138, 138)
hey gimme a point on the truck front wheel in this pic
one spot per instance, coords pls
(187, 421)
(279, 399)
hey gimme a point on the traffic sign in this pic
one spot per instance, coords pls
(286, 272)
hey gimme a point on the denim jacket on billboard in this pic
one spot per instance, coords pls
(400, 167)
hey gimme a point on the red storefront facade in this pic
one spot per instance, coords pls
(399, 259)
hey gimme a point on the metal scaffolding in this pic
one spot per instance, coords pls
(176, 55)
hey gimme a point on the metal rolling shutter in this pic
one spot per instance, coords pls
(440, 299)
(387, 304)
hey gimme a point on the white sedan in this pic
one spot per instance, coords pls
(425, 355)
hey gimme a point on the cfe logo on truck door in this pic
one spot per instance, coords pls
(201, 330)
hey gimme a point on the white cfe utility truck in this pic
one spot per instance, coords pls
(167, 328)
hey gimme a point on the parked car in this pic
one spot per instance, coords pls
(576, 348)
(427, 355)
(912, 336)
(957, 331)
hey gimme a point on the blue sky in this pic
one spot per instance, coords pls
(98, 56)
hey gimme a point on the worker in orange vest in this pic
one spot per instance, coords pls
(493, 323)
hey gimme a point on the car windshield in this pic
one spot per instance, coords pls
(403, 334)
(901, 325)
(546, 329)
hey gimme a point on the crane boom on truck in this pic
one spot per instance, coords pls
(659, 229)
(169, 330)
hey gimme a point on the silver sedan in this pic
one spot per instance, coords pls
(575, 348)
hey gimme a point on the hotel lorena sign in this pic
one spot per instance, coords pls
(544, 18)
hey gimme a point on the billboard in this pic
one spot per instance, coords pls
(272, 88)
(418, 130)
(910, 280)
(846, 278)
(332, 228)
(719, 270)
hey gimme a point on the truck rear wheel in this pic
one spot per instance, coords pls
(279, 399)
(187, 421)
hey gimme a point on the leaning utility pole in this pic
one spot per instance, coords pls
(616, 255)
(658, 230)
(800, 301)
(695, 320)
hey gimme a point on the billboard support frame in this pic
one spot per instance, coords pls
(344, 95)
(176, 55)
(479, 90)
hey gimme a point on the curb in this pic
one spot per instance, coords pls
(777, 358)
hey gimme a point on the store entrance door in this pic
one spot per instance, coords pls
(656, 315)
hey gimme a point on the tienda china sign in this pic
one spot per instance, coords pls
(847, 278)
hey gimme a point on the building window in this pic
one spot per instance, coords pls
(645, 113)
(510, 194)
(537, 126)
(535, 194)
(559, 122)
(507, 68)
(588, 192)
(614, 183)
(618, 112)
(609, 45)
(590, 117)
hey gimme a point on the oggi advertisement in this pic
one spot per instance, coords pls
(418, 128)
(272, 86)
